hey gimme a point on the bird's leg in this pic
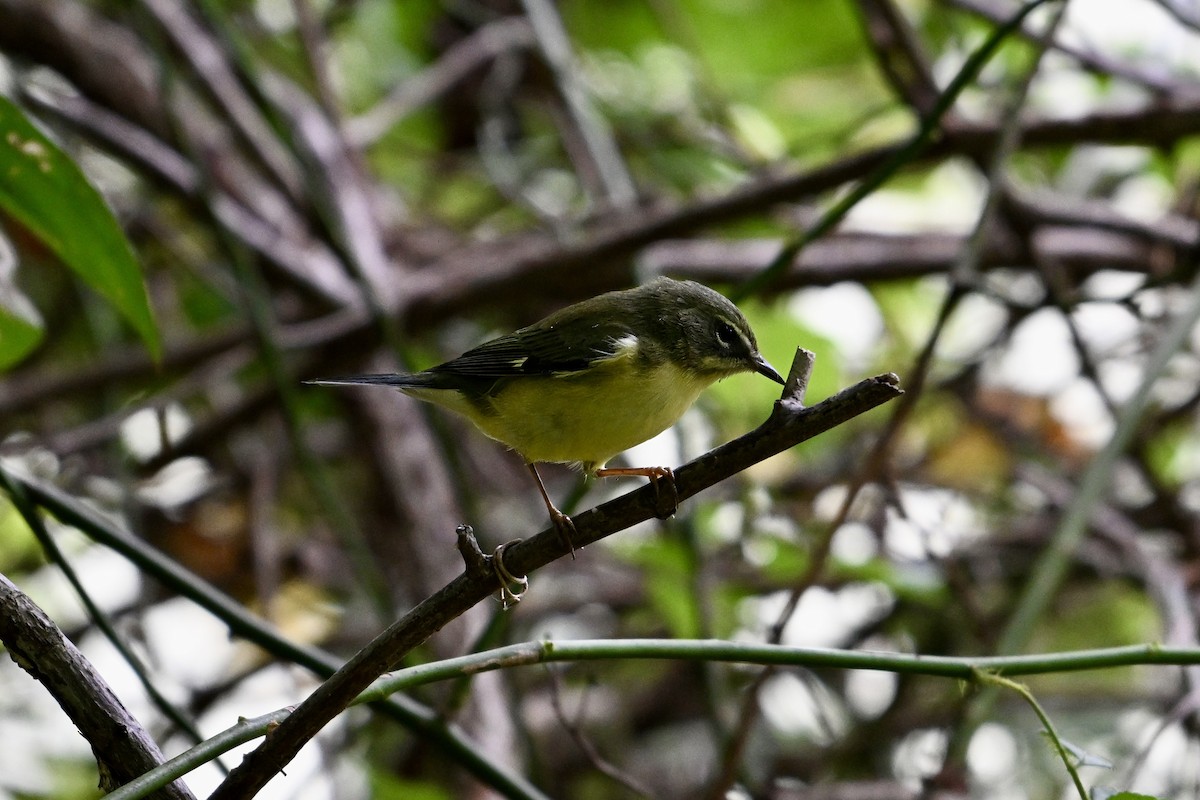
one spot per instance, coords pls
(563, 523)
(660, 477)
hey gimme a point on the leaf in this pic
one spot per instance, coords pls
(20, 324)
(19, 333)
(385, 786)
(1083, 758)
(44, 191)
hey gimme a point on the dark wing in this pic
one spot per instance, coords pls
(552, 347)
(568, 341)
(555, 346)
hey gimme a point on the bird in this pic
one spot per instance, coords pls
(592, 379)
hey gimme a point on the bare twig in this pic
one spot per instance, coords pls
(619, 188)
(102, 58)
(963, 276)
(455, 66)
(316, 53)
(1091, 60)
(271, 229)
(99, 618)
(585, 744)
(210, 67)
(345, 199)
(898, 51)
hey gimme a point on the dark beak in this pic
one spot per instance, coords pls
(761, 366)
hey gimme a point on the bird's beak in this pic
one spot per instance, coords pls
(763, 368)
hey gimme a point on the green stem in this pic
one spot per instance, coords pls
(960, 668)
(245, 730)
(988, 669)
(1004, 683)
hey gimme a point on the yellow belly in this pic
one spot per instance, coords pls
(587, 418)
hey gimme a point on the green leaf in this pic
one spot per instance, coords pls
(389, 787)
(18, 546)
(20, 324)
(46, 193)
(19, 334)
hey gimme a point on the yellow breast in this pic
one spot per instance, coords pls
(587, 417)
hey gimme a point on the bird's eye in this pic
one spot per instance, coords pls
(726, 335)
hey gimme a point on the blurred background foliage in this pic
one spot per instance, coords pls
(322, 187)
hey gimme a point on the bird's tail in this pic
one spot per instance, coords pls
(417, 380)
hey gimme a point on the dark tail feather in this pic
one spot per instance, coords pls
(415, 380)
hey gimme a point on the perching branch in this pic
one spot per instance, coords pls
(121, 745)
(789, 424)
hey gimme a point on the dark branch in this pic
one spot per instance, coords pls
(122, 747)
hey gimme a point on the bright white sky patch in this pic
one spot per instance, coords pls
(1040, 358)
(845, 313)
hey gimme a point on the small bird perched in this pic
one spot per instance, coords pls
(593, 379)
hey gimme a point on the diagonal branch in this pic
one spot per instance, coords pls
(121, 745)
(789, 424)
(901, 57)
(209, 64)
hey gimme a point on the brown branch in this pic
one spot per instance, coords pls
(1087, 237)
(454, 67)
(900, 56)
(490, 274)
(246, 206)
(423, 721)
(474, 274)
(1087, 58)
(789, 424)
(595, 135)
(122, 747)
(495, 273)
(869, 258)
(344, 192)
(101, 58)
(586, 746)
(215, 75)
(23, 390)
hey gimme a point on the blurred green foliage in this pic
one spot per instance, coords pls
(49, 198)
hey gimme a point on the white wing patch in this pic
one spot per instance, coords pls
(625, 346)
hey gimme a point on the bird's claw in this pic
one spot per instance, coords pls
(566, 529)
(666, 494)
(508, 598)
